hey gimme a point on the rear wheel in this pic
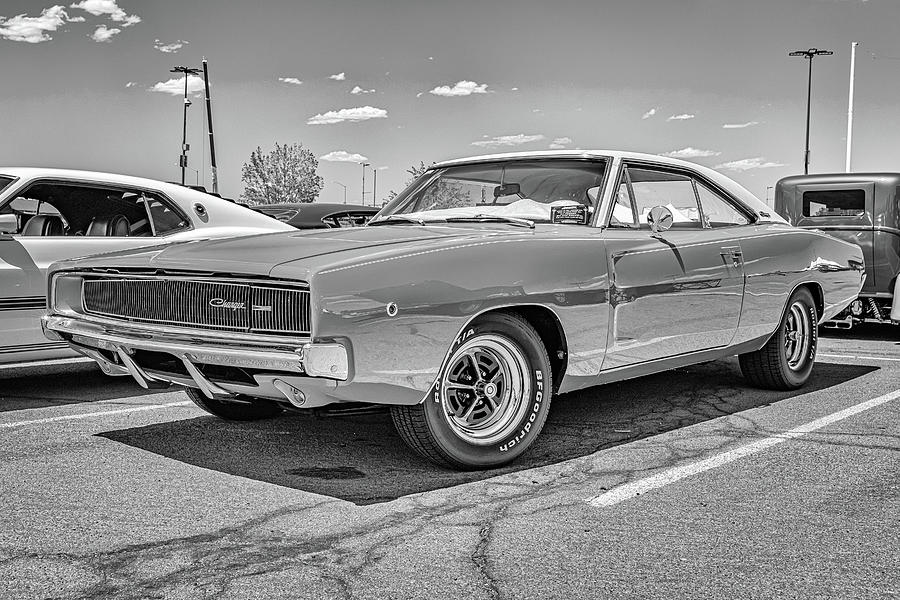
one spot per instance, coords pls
(786, 361)
(489, 402)
(248, 410)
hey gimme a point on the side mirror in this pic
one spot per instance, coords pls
(660, 219)
(9, 224)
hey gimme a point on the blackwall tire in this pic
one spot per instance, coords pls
(234, 411)
(786, 361)
(490, 400)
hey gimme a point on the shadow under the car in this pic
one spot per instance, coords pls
(77, 385)
(360, 458)
(876, 332)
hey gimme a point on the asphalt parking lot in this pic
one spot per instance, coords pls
(685, 484)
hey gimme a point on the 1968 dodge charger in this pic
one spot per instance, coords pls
(52, 214)
(486, 287)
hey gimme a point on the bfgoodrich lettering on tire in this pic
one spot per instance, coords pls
(786, 361)
(490, 400)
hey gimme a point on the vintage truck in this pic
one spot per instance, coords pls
(863, 208)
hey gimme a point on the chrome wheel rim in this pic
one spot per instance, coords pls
(797, 336)
(485, 389)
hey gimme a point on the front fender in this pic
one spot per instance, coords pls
(397, 355)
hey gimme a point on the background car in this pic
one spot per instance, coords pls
(863, 209)
(484, 288)
(319, 215)
(50, 214)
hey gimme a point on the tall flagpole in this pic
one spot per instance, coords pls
(209, 121)
(853, 46)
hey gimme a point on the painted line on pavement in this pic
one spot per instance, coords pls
(46, 363)
(860, 357)
(93, 414)
(641, 486)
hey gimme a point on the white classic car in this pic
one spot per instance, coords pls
(48, 215)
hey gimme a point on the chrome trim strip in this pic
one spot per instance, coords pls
(33, 347)
(23, 303)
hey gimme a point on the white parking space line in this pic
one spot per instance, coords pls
(641, 486)
(93, 414)
(857, 357)
(45, 363)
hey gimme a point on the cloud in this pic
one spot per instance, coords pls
(681, 117)
(33, 30)
(175, 86)
(338, 77)
(739, 125)
(358, 90)
(131, 84)
(514, 89)
(363, 113)
(509, 140)
(169, 48)
(77, 19)
(343, 156)
(747, 164)
(109, 8)
(560, 143)
(461, 88)
(420, 94)
(650, 112)
(104, 33)
(291, 80)
(691, 153)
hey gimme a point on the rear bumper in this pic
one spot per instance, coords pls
(219, 367)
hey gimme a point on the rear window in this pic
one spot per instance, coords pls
(834, 203)
(5, 181)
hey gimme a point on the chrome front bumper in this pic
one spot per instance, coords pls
(280, 371)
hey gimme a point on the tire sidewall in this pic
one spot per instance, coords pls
(528, 426)
(799, 377)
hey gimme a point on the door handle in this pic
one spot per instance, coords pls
(734, 254)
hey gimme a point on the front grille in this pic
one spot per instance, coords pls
(222, 305)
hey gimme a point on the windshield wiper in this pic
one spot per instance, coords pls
(394, 219)
(482, 218)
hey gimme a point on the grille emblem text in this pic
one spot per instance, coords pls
(220, 303)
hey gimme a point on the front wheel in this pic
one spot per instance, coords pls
(786, 361)
(490, 400)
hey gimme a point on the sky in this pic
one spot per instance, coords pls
(86, 85)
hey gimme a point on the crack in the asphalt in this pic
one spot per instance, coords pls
(480, 559)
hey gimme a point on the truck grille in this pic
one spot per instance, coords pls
(222, 305)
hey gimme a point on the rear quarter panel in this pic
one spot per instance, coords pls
(778, 259)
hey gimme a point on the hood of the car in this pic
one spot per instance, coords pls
(260, 254)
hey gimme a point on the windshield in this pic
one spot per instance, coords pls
(5, 181)
(559, 191)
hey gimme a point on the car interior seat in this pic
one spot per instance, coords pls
(109, 225)
(44, 225)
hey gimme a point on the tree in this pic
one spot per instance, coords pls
(286, 174)
(415, 172)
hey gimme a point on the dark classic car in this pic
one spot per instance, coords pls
(319, 215)
(861, 208)
(486, 287)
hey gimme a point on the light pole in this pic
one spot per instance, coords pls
(768, 187)
(345, 189)
(374, 184)
(809, 55)
(182, 160)
(363, 195)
